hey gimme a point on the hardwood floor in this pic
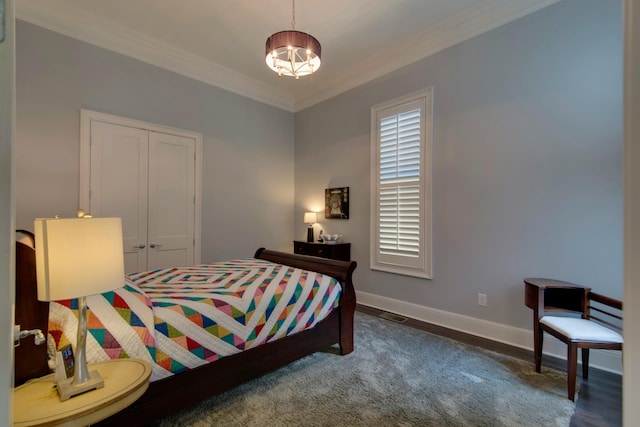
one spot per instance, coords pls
(599, 401)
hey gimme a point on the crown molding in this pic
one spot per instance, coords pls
(470, 22)
(60, 18)
(461, 26)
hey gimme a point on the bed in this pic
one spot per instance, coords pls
(181, 380)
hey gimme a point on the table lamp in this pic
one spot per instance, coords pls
(310, 218)
(77, 257)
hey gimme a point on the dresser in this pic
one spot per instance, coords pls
(338, 251)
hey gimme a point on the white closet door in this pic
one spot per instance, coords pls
(118, 185)
(171, 200)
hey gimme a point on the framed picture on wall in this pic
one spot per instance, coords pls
(336, 203)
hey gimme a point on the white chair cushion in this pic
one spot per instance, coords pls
(581, 329)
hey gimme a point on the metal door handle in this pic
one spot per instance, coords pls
(140, 246)
(154, 245)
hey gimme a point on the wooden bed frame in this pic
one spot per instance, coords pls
(168, 395)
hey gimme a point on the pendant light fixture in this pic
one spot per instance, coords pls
(293, 53)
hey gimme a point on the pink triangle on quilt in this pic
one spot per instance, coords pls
(113, 353)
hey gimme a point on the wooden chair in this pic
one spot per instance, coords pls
(575, 315)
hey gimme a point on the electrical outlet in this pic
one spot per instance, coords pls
(482, 300)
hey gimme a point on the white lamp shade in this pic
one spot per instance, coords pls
(76, 257)
(310, 217)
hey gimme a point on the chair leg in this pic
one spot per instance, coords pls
(572, 367)
(585, 363)
(537, 345)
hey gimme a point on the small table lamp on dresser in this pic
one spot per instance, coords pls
(310, 218)
(75, 258)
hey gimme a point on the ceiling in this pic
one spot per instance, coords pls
(222, 42)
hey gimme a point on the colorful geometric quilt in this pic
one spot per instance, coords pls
(184, 317)
(119, 324)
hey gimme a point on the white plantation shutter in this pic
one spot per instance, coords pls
(401, 156)
(399, 189)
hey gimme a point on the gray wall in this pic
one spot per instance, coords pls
(7, 63)
(527, 162)
(247, 148)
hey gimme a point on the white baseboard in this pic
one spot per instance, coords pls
(606, 360)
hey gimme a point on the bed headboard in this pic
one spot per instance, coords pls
(30, 359)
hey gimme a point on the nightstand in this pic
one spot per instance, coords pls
(339, 251)
(36, 403)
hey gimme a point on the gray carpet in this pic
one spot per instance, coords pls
(397, 376)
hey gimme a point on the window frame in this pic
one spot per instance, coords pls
(420, 266)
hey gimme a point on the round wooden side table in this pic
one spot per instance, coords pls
(36, 403)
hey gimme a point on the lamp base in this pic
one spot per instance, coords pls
(66, 388)
(310, 234)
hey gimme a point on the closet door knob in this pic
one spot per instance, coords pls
(155, 245)
(140, 246)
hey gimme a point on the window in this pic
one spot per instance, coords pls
(401, 138)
